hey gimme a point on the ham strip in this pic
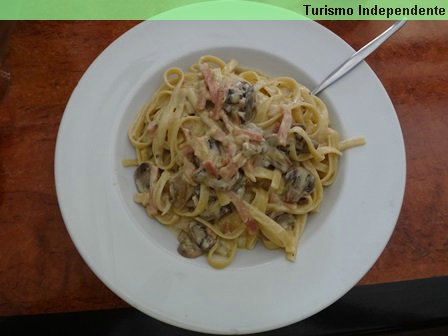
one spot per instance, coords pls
(244, 214)
(285, 125)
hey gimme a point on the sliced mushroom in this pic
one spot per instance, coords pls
(214, 145)
(187, 247)
(225, 210)
(277, 158)
(271, 139)
(240, 100)
(196, 240)
(300, 143)
(202, 236)
(202, 176)
(273, 155)
(180, 191)
(212, 214)
(250, 149)
(285, 220)
(142, 177)
(299, 182)
(217, 183)
(250, 126)
(197, 191)
(238, 181)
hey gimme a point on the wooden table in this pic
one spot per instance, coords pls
(40, 269)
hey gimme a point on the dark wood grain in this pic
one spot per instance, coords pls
(40, 269)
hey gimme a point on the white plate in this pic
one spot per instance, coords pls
(136, 257)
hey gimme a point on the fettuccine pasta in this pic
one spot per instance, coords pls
(229, 156)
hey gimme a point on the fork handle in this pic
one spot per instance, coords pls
(357, 57)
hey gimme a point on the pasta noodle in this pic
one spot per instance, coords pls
(228, 156)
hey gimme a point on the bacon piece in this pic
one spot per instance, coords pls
(203, 94)
(244, 214)
(152, 127)
(186, 150)
(189, 172)
(275, 128)
(252, 135)
(199, 144)
(285, 125)
(226, 227)
(229, 171)
(215, 131)
(229, 125)
(217, 134)
(230, 149)
(222, 92)
(210, 168)
(151, 206)
(217, 91)
(209, 81)
(252, 226)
